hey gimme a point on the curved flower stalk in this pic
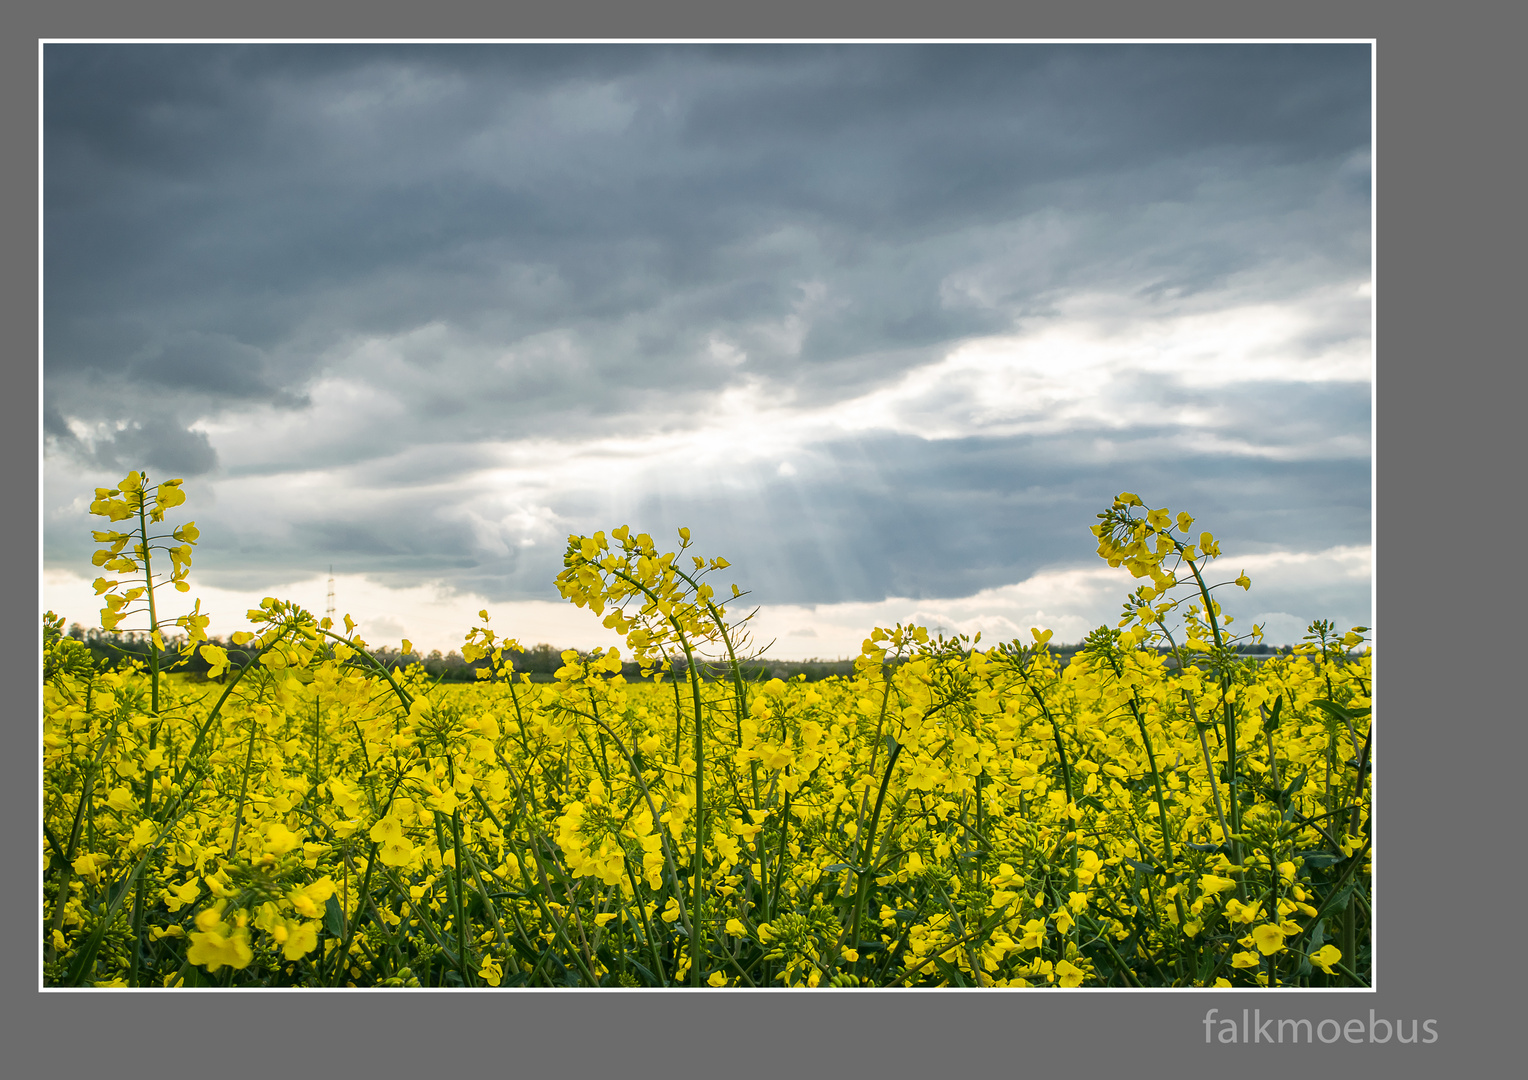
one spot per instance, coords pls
(655, 604)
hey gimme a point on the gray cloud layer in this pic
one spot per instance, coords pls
(485, 244)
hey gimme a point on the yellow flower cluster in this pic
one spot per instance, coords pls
(133, 500)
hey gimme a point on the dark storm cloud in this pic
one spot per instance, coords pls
(276, 199)
(514, 242)
(161, 444)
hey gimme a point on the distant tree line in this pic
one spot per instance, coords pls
(541, 661)
(112, 650)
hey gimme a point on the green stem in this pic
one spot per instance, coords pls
(1066, 768)
(343, 955)
(865, 851)
(238, 810)
(697, 877)
(1229, 710)
(137, 942)
(148, 583)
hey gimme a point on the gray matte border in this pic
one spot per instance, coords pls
(1441, 137)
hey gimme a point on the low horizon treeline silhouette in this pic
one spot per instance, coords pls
(540, 661)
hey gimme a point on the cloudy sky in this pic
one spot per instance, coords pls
(884, 325)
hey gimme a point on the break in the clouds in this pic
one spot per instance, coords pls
(885, 325)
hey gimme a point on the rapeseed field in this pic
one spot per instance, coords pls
(1159, 810)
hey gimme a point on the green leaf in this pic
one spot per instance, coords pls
(950, 971)
(1340, 897)
(1317, 936)
(334, 917)
(1334, 709)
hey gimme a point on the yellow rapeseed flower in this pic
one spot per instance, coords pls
(1269, 939)
(1325, 957)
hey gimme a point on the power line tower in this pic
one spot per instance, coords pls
(329, 603)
